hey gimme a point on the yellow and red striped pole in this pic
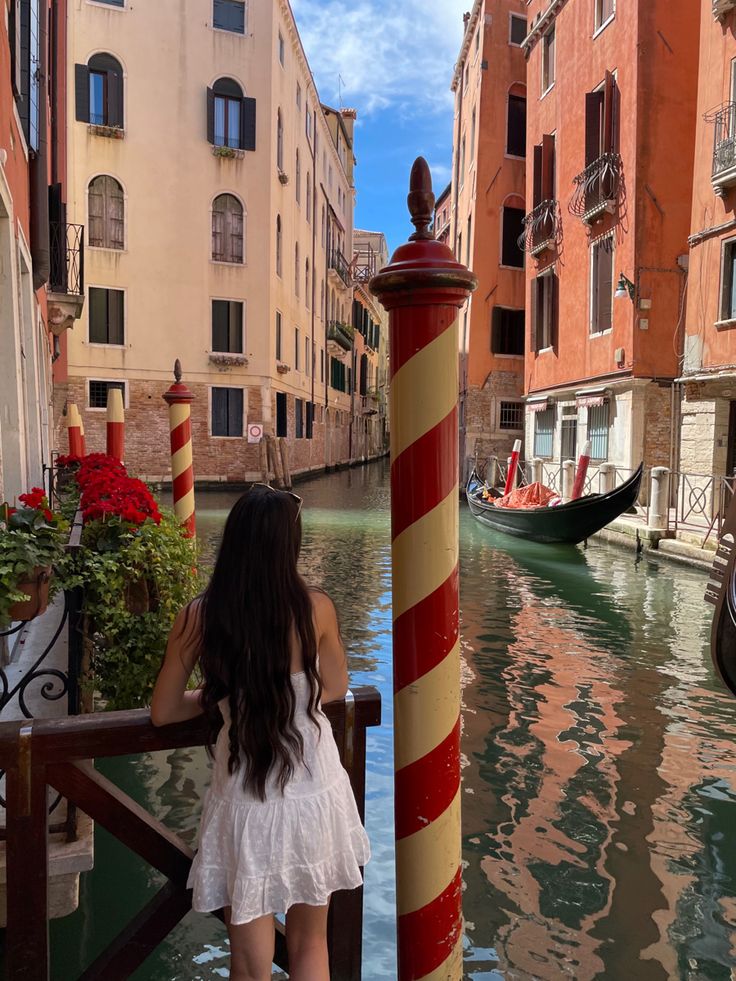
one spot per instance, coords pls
(179, 400)
(74, 430)
(115, 424)
(423, 288)
(513, 467)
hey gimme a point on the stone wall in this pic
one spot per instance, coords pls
(483, 433)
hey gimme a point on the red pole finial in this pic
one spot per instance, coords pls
(421, 200)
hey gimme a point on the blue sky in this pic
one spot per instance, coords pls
(395, 59)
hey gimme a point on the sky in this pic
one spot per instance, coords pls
(392, 60)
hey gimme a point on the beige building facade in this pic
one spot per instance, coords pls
(218, 194)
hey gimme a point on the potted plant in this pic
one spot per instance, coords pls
(32, 540)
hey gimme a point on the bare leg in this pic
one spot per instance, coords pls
(306, 941)
(251, 949)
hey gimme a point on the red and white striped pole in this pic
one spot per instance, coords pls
(513, 467)
(582, 472)
(115, 424)
(423, 288)
(179, 400)
(74, 430)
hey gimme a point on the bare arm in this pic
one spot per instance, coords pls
(171, 701)
(333, 664)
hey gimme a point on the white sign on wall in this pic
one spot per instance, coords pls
(255, 432)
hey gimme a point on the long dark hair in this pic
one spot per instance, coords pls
(254, 606)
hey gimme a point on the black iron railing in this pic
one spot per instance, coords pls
(597, 187)
(339, 263)
(724, 138)
(541, 228)
(67, 258)
(342, 334)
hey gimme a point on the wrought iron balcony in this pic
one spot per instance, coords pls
(597, 188)
(338, 264)
(723, 7)
(67, 258)
(724, 146)
(541, 228)
(340, 334)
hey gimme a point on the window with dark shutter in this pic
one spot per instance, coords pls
(14, 25)
(104, 103)
(227, 412)
(282, 418)
(513, 226)
(298, 419)
(507, 331)
(543, 312)
(106, 208)
(229, 15)
(364, 374)
(517, 30)
(601, 286)
(278, 335)
(593, 127)
(548, 59)
(310, 420)
(106, 316)
(516, 128)
(225, 109)
(227, 326)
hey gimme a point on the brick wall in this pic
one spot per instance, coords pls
(657, 425)
(483, 434)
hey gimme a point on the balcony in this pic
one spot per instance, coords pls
(721, 8)
(339, 339)
(724, 146)
(338, 269)
(66, 280)
(541, 229)
(597, 188)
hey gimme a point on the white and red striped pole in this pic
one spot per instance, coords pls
(582, 472)
(179, 400)
(423, 288)
(74, 430)
(115, 424)
(513, 467)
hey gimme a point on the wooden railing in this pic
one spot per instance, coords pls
(38, 754)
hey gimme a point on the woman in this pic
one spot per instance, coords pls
(280, 830)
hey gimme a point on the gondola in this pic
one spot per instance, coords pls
(570, 523)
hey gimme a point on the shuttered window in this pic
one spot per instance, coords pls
(598, 431)
(299, 418)
(728, 282)
(227, 229)
(544, 312)
(282, 417)
(544, 429)
(513, 226)
(364, 374)
(229, 15)
(106, 316)
(516, 128)
(601, 286)
(106, 213)
(517, 30)
(338, 374)
(99, 91)
(507, 331)
(310, 419)
(548, 59)
(569, 433)
(231, 118)
(604, 10)
(227, 326)
(227, 412)
(279, 342)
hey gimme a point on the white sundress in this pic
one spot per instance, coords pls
(261, 857)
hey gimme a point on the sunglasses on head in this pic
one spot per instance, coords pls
(294, 497)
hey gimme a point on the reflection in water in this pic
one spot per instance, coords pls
(599, 782)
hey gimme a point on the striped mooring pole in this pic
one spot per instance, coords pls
(74, 430)
(115, 424)
(179, 400)
(423, 289)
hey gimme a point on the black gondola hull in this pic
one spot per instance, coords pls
(570, 523)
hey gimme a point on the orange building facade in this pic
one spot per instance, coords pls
(611, 129)
(487, 208)
(708, 406)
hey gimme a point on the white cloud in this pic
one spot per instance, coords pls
(441, 174)
(389, 54)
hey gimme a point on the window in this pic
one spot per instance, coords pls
(282, 49)
(511, 416)
(459, 247)
(282, 416)
(299, 418)
(601, 285)
(299, 97)
(472, 135)
(279, 264)
(112, 3)
(227, 229)
(544, 428)
(338, 373)
(106, 205)
(310, 420)
(323, 240)
(507, 331)
(279, 140)
(516, 129)
(227, 326)
(548, 59)
(322, 364)
(307, 285)
(227, 412)
(544, 311)
(278, 336)
(309, 197)
(598, 431)
(297, 359)
(467, 240)
(604, 11)
(544, 176)
(297, 270)
(569, 433)
(601, 124)
(308, 125)
(298, 178)
(106, 316)
(229, 15)
(517, 30)
(728, 281)
(477, 41)
(98, 393)
(231, 118)
(307, 359)
(513, 227)
(99, 91)
(462, 162)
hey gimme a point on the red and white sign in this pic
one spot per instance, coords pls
(255, 432)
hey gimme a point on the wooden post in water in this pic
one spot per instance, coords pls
(179, 400)
(422, 289)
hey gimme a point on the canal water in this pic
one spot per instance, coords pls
(599, 780)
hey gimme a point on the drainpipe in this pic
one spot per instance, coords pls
(313, 365)
(38, 169)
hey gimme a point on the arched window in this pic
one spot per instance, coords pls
(309, 196)
(322, 300)
(297, 269)
(279, 140)
(298, 178)
(227, 229)
(323, 226)
(227, 114)
(100, 91)
(106, 207)
(279, 265)
(307, 285)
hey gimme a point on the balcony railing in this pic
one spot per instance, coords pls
(597, 188)
(723, 7)
(724, 145)
(67, 258)
(341, 334)
(340, 265)
(541, 228)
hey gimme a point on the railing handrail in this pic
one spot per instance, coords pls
(545, 213)
(590, 182)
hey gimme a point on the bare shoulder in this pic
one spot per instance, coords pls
(324, 609)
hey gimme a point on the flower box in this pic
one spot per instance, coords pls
(227, 153)
(36, 588)
(228, 360)
(110, 132)
(283, 177)
(282, 368)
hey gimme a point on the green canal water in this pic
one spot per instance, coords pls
(599, 780)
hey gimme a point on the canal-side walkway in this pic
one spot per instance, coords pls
(688, 548)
